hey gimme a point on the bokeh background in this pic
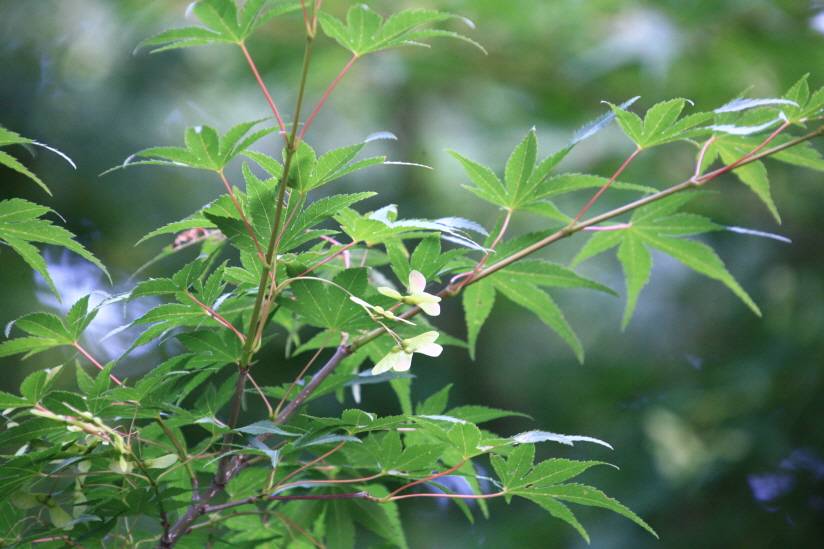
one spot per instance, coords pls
(717, 417)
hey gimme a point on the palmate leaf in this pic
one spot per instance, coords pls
(22, 226)
(544, 307)
(659, 226)
(224, 24)
(581, 494)
(204, 148)
(384, 520)
(327, 306)
(382, 225)
(365, 31)
(528, 184)
(11, 162)
(309, 172)
(545, 484)
(193, 280)
(636, 261)
(317, 212)
(731, 148)
(661, 124)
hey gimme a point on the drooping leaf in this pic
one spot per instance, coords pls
(660, 226)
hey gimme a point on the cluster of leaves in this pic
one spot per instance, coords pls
(176, 456)
(22, 223)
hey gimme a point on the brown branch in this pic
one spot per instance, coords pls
(254, 499)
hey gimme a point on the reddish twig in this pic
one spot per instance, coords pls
(343, 251)
(606, 185)
(91, 359)
(239, 208)
(263, 88)
(305, 15)
(318, 4)
(744, 159)
(217, 317)
(427, 479)
(616, 227)
(466, 277)
(326, 95)
(310, 463)
(450, 496)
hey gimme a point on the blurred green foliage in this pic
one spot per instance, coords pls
(701, 400)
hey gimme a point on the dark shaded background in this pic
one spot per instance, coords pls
(716, 416)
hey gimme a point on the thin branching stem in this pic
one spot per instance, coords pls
(607, 185)
(94, 361)
(161, 506)
(246, 225)
(343, 250)
(227, 466)
(217, 317)
(325, 97)
(309, 464)
(699, 162)
(300, 375)
(181, 454)
(347, 496)
(261, 394)
(263, 88)
(426, 479)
